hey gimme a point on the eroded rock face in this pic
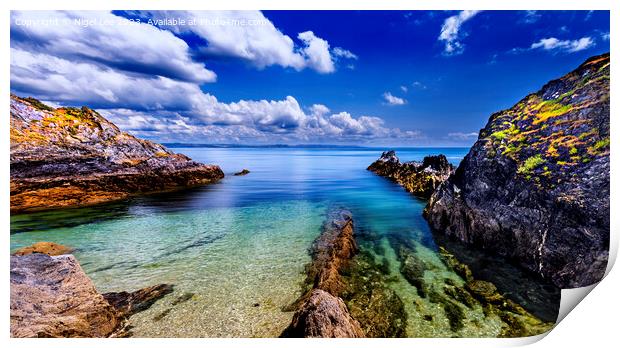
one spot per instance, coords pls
(535, 185)
(419, 178)
(71, 157)
(52, 297)
(323, 315)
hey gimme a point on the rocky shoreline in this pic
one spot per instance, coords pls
(535, 187)
(51, 296)
(69, 157)
(419, 178)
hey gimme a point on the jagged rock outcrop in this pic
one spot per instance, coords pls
(535, 185)
(51, 296)
(419, 178)
(321, 312)
(71, 157)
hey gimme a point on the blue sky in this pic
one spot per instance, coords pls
(386, 78)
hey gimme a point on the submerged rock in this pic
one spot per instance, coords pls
(535, 186)
(323, 315)
(72, 157)
(243, 172)
(47, 248)
(128, 303)
(419, 178)
(379, 310)
(52, 297)
(516, 321)
(331, 252)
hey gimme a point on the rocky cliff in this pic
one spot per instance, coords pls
(70, 157)
(535, 185)
(419, 178)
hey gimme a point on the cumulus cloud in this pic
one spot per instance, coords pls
(251, 36)
(392, 100)
(145, 96)
(450, 32)
(106, 39)
(171, 110)
(553, 43)
(316, 51)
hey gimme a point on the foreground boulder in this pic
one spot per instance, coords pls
(51, 296)
(535, 185)
(71, 157)
(321, 312)
(323, 315)
(419, 178)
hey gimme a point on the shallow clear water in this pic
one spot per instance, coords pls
(236, 250)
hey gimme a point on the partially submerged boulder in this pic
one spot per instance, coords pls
(419, 178)
(51, 296)
(323, 315)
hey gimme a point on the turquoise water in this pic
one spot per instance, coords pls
(236, 250)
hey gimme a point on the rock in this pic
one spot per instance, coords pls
(420, 179)
(72, 157)
(331, 252)
(47, 248)
(484, 291)
(128, 303)
(535, 187)
(52, 297)
(459, 268)
(243, 172)
(323, 315)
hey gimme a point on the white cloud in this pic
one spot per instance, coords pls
(392, 100)
(124, 45)
(316, 52)
(167, 109)
(450, 32)
(553, 43)
(341, 52)
(605, 36)
(418, 84)
(404, 89)
(249, 35)
(127, 78)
